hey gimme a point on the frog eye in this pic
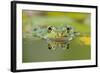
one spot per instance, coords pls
(49, 28)
(68, 28)
(49, 48)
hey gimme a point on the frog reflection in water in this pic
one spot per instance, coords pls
(59, 37)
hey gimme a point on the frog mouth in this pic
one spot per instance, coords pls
(60, 39)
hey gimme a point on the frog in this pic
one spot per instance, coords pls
(56, 36)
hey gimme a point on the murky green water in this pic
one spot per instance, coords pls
(36, 50)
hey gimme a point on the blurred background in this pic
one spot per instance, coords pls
(36, 50)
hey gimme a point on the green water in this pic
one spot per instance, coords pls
(36, 50)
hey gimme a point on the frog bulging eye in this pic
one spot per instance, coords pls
(69, 28)
(50, 28)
